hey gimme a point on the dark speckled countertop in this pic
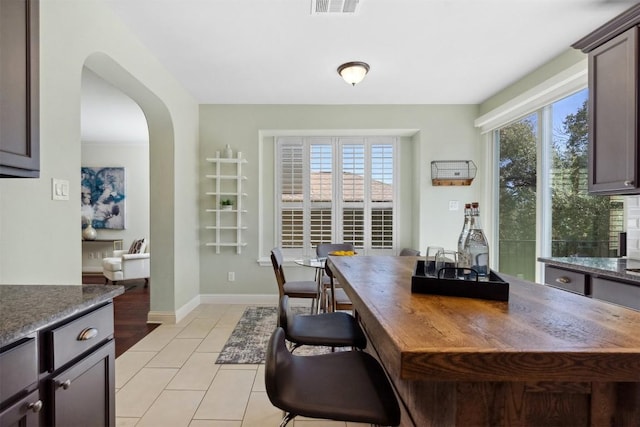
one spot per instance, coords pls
(27, 308)
(614, 268)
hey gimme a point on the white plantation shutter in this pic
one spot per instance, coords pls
(381, 196)
(336, 190)
(291, 192)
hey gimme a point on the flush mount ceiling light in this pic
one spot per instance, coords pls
(353, 72)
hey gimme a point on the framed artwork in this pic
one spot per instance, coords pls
(103, 197)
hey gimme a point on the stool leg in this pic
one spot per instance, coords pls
(288, 417)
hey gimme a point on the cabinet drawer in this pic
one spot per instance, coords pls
(74, 338)
(567, 280)
(616, 292)
(18, 368)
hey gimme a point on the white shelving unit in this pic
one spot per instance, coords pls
(228, 181)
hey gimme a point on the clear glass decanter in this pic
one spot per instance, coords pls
(476, 246)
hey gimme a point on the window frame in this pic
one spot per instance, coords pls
(337, 204)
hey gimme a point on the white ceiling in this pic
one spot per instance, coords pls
(108, 115)
(420, 51)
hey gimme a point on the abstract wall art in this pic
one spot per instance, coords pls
(103, 197)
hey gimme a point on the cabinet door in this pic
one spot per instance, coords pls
(613, 101)
(23, 413)
(84, 394)
(19, 111)
(623, 294)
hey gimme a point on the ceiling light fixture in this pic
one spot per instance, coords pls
(353, 72)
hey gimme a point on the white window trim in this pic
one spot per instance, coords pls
(563, 84)
(264, 245)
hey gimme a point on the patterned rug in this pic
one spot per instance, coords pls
(248, 341)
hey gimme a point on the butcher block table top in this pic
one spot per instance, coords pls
(540, 334)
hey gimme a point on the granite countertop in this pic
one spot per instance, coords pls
(25, 309)
(615, 268)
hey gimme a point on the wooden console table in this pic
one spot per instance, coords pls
(546, 357)
(117, 243)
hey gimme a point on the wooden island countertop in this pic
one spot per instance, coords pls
(545, 357)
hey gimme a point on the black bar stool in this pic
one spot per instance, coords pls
(337, 329)
(343, 386)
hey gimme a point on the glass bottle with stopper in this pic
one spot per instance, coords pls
(475, 250)
(463, 235)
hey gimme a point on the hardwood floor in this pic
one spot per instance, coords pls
(130, 312)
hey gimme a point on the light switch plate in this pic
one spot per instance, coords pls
(59, 189)
(454, 205)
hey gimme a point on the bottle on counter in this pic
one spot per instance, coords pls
(463, 235)
(476, 247)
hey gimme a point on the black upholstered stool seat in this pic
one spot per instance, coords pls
(343, 386)
(337, 329)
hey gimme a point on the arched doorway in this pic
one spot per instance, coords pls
(161, 176)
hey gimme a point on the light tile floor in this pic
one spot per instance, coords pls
(170, 379)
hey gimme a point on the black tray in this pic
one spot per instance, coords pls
(493, 289)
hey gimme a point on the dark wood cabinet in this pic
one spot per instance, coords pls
(613, 115)
(594, 285)
(63, 375)
(614, 105)
(23, 413)
(78, 370)
(19, 86)
(624, 294)
(20, 402)
(83, 395)
(565, 279)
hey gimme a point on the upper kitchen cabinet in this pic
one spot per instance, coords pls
(19, 89)
(614, 145)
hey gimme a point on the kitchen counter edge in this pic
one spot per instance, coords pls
(613, 268)
(25, 309)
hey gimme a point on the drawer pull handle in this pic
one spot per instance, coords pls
(628, 183)
(87, 334)
(563, 279)
(35, 406)
(65, 384)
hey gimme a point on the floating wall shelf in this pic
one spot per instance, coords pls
(452, 172)
(228, 181)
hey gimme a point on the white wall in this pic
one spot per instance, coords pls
(39, 238)
(438, 133)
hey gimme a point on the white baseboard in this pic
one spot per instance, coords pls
(171, 318)
(166, 317)
(256, 299)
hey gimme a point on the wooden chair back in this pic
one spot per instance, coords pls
(276, 261)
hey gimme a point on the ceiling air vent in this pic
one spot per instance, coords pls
(320, 7)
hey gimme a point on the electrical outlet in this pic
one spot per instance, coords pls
(454, 205)
(231, 276)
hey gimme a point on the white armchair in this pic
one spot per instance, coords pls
(126, 266)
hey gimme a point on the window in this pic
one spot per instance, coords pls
(332, 189)
(517, 148)
(543, 204)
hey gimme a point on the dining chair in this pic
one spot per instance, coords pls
(409, 252)
(325, 329)
(349, 386)
(336, 297)
(293, 289)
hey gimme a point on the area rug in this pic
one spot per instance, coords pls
(248, 341)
